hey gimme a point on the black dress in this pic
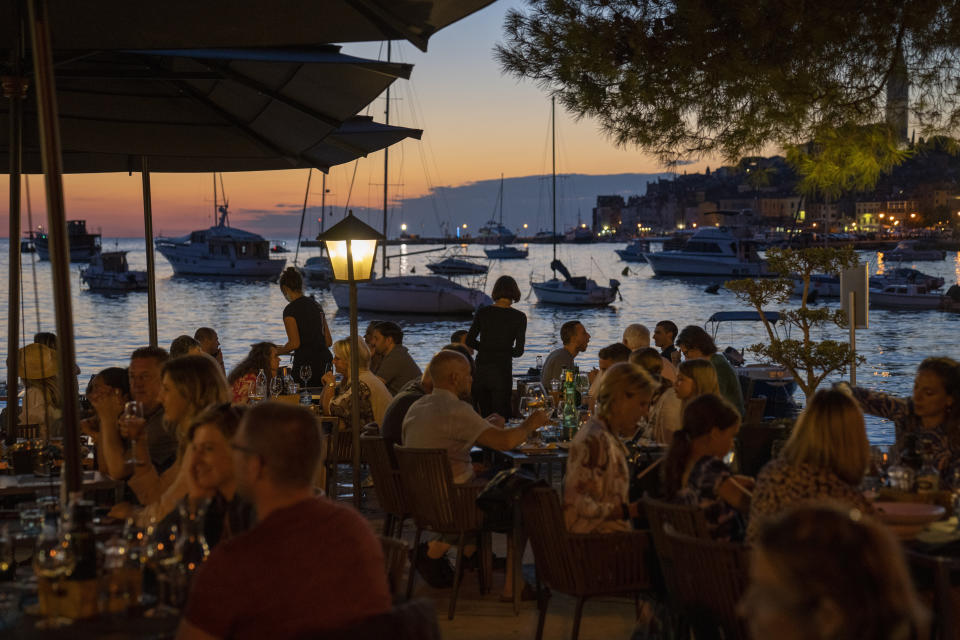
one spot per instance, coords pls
(501, 331)
(308, 314)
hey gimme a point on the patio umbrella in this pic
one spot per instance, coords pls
(121, 24)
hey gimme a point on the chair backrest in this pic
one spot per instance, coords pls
(686, 519)
(428, 487)
(395, 560)
(413, 620)
(544, 525)
(755, 410)
(710, 578)
(386, 475)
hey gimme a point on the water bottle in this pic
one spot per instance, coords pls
(306, 398)
(261, 388)
(289, 386)
(539, 363)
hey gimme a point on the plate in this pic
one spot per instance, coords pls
(908, 513)
(907, 531)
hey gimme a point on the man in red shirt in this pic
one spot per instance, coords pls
(308, 565)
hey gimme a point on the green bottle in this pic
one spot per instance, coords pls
(571, 413)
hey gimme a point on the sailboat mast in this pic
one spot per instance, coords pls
(216, 211)
(500, 230)
(323, 204)
(386, 161)
(553, 153)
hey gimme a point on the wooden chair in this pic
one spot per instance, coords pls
(414, 620)
(437, 504)
(709, 579)
(754, 446)
(582, 565)
(395, 554)
(386, 481)
(338, 447)
(942, 568)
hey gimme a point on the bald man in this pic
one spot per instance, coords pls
(443, 420)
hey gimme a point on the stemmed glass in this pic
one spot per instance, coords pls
(524, 408)
(306, 372)
(163, 556)
(276, 386)
(132, 421)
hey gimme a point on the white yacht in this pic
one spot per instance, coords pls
(914, 251)
(221, 251)
(412, 295)
(905, 296)
(711, 251)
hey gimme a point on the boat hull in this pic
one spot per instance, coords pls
(679, 263)
(412, 295)
(187, 263)
(629, 256)
(79, 251)
(507, 253)
(912, 301)
(107, 282)
(561, 292)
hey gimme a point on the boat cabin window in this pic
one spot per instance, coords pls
(197, 236)
(699, 246)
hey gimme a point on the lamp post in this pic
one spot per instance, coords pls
(352, 246)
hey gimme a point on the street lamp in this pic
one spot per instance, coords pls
(352, 246)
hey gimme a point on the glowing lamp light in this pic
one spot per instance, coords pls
(464, 225)
(351, 238)
(403, 227)
(525, 225)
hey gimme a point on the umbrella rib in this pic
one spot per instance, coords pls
(377, 14)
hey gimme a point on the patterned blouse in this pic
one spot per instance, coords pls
(341, 406)
(782, 485)
(243, 387)
(597, 481)
(935, 441)
(702, 490)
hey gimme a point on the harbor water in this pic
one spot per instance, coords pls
(108, 328)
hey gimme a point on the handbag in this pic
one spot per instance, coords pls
(500, 496)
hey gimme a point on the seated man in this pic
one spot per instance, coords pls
(575, 340)
(392, 427)
(309, 565)
(637, 336)
(210, 343)
(606, 358)
(443, 420)
(396, 367)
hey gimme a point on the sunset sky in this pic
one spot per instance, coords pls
(478, 124)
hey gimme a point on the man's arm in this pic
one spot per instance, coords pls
(506, 439)
(188, 631)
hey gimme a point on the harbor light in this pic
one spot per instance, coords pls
(464, 225)
(403, 227)
(525, 225)
(881, 216)
(913, 215)
(351, 245)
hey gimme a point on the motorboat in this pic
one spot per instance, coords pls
(634, 251)
(828, 286)
(221, 251)
(494, 232)
(109, 272)
(711, 251)
(579, 234)
(905, 296)
(432, 295)
(318, 271)
(951, 299)
(914, 251)
(83, 245)
(570, 291)
(279, 247)
(504, 251)
(507, 252)
(771, 381)
(574, 291)
(453, 265)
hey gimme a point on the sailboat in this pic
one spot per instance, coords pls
(432, 295)
(505, 252)
(573, 291)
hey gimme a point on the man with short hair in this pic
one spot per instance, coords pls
(444, 420)
(663, 336)
(308, 566)
(146, 368)
(575, 339)
(606, 358)
(210, 344)
(396, 368)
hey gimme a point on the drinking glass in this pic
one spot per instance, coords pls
(583, 382)
(132, 421)
(163, 556)
(525, 406)
(306, 372)
(53, 560)
(276, 386)
(338, 379)
(31, 517)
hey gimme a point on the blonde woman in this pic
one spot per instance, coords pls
(595, 497)
(374, 397)
(189, 385)
(666, 409)
(824, 459)
(695, 378)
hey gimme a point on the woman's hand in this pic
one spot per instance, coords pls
(328, 378)
(108, 404)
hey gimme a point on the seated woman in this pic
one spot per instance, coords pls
(243, 377)
(929, 421)
(598, 479)
(109, 391)
(695, 343)
(821, 573)
(694, 471)
(665, 408)
(189, 385)
(373, 395)
(42, 406)
(824, 459)
(695, 378)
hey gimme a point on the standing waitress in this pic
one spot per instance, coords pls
(308, 336)
(502, 331)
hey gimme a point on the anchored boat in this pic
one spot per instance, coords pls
(83, 245)
(109, 272)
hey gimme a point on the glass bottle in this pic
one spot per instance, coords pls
(289, 386)
(80, 537)
(571, 415)
(192, 547)
(260, 390)
(928, 478)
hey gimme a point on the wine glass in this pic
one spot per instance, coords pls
(53, 560)
(338, 379)
(306, 372)
(132, 422)
(276, 386)
(524, 407)
(583, 382)
(163, 556)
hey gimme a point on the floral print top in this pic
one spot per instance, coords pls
(702, 490)
(341, 406)
(597, 481)
(934, 442)
(781, 485)
(243, 388)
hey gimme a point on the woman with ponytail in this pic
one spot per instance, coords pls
(308, 336)
(598, 479)
(694, 471)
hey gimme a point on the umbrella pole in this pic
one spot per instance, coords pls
(57, 230)
(13, 89)
(148, 238)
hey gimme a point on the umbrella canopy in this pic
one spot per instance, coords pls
(212, 110)
(121, 24)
